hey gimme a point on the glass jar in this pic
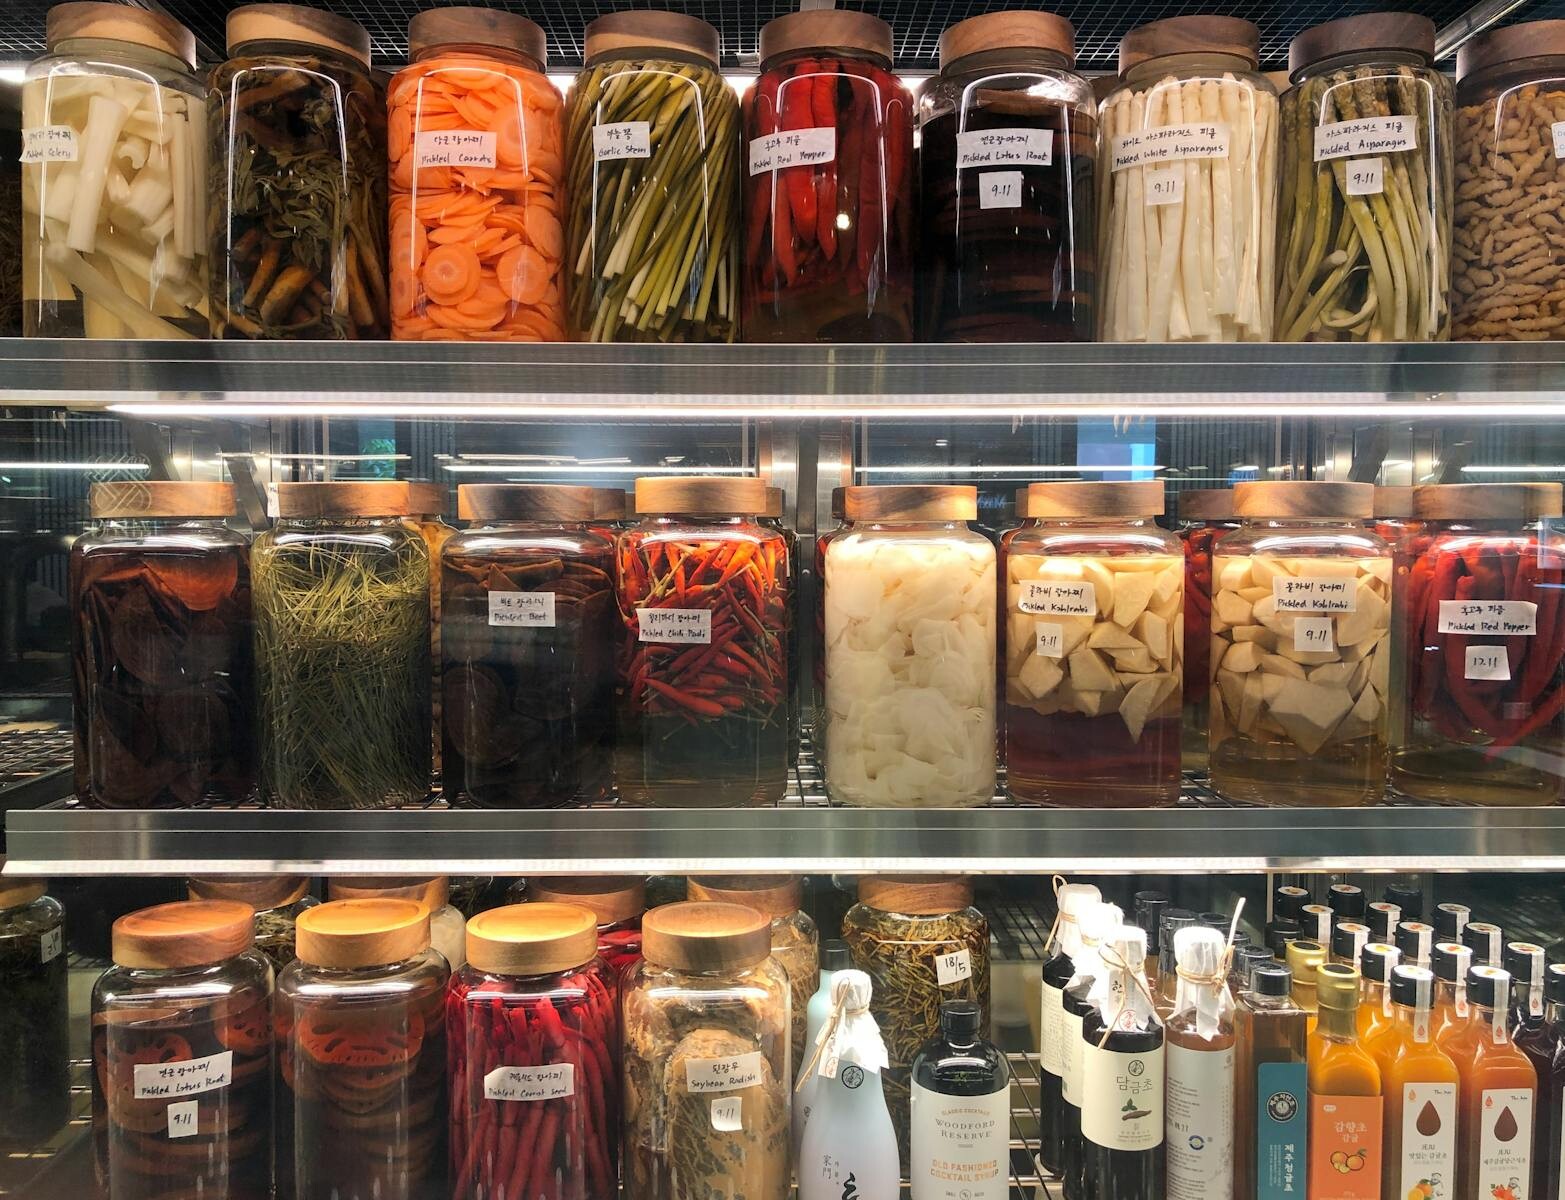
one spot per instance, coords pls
(426, 501)
(277, 899)
(1485, 688)
(447, 926)
(1008, 133)
(1191, 128)
(617, 901)
(11, 222)
(164, 669)
(361, 1035)
(829, 193)
(533, 1041)
(704, 594)
(706, 1017)
(1408, 538)
(1205, 515)
(342, 648)
(609, 517)
(1301, 660)
(528, 639)
(1094, 660)
(772, 518)
(298, 180)
(910, 644)
(1366, 184)
(921, 942)
(653, 229)
(1505, 259)
(475, 138)
(818, 645)
(35, 1061)
(182, 1056)
(114, 203)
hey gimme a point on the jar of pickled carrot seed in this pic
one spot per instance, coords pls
(1485, 630)
(1205, 515)
(475, 136)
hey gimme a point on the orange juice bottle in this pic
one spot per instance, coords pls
(1376, 961)
(1304, 959)
(1499, 1093)
(1345, 1105)
(1421, 1088)
(1450, 963)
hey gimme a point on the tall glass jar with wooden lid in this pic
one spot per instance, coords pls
(182, 1056)
(426, 506)
(277, 899)
(706, 1018)
(910, 646)
(617, 901)
(361, 1038)
(342, 648)
(704, 595)
(1301, 654)
(1094, 648)
(446, 923)
(1205, 515)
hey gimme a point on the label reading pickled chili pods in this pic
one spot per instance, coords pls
(1000, 189)
(1059, 599)
(1558, 129)
(623, 139)
(953, 967)
(1005, 148)
(1502, 618)
(1171, 143)
(528, 610)
(1487, 662)
(553, 1081)
(1366, 176)
(55, 143)
(51, 944)
(1367, 135)
(733, 1074)
(727, 1114)
(1314, 633)
(182, 1119)
(1051, 640)
(455, 148)
(679, 626)
(1164, 185)
(157, 1081)
(1304, 593)
(794, 148)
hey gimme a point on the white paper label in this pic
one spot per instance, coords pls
(551, 1082)
(1122, 1098)
(183, 1119)
(727, 1114)
(1005, 148)
(1505, 1143)
(1051, 1055)
(1000, 189)
(1171, 143)
(527, 610)
(1559, 146)
(455, 148)
(49, 143)
(1304, 593)
(1428, 1139)
(1164, 185)
(704, 1075)
(1051, 640)
(624, 139)
(1487, 662)
(1366, 135)
(960, 1146)
(1199, 1123)
(1497, 618)
(156, 1081)
(953, 967)
(1070, 1056)
(1314, 633)
(1059, 599)
(51, 944)
(793, 148)
(1366, 176)
(679, 626)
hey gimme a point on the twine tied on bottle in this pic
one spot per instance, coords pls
(1059, 915)
(1134, 972)
(1208, 985)
(849, 1017)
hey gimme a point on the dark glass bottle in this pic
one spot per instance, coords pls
(961, 1135)
(1535, 1030)
(1450, 920)
(1383, 918)
(1097, 926)
(1551, 1083)
(1279, 932)
(1407, 898)
(1487, 942)
(1073, 899)
(1174, 919)
(1289, 901)
(1149, 910)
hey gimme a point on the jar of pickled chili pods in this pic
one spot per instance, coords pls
(1205, 515)
(35, 1060)
(446, 923)
(277, 899)
(617, 901)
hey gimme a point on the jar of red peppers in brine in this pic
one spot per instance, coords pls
(1205, 515)
(829, 192)
(1485, 629)
(1006, 185)
(704, 593)
(616, 901)
(532, 1028)
(1094, 648)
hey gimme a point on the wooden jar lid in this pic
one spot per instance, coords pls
(609, 504)
(120, 23)
(643, 29)
(360, 498)
(154, 498)
(911, 502)
(468, 26)
(432, 891)
(1307, 499)
(698, 935)
(1121, 500)
(425, 499)
(774, 895)
(1406, 32)
(1394, 502)
(1015, 29)
(1190, 35)
(611, 898)
(532, 939)
(1487, 501)
(916, 895)
(1206, 504)
(825, 29)
(526, 502)
(350, 934)
(708, 495)
(16, 891)
(186, 933)
(296, 23)
(260, 892)
(1513, 43)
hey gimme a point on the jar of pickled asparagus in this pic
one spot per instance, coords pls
(297, 175)
(1365, 208)
(1301, 656)
(528, 636)
(829, 192)
(35, 1059)
(1205, 515)
(704, 595)
(1485, 688)
(653, 156)
(182, 1056)
(277, 899)
(114, 198)
(447, 926)
(164, 714)
(1191, 129)
(1008, 132)
(342, 648)
(910, 651)
(617, 901)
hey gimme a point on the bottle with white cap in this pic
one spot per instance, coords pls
(1073, 900)
(1098, 924)
(1199, 1056)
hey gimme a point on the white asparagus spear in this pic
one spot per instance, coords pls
(1138, 281)
(1225, 292)
(1151, 228)
(95, 152)
(1162, 109)
(1266, 283)
(1188, 98)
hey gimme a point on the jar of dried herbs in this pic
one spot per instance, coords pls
(297, 174)
(277, 899)
(342, 648)
(35, 1080)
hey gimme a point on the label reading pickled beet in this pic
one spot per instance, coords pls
(1165, 185)
(1501, 618)
(455, 148)
(1487, 662)
(159, 1081)
(727, 1114)
(1000, 189)
(1366, 176)
(1306, 594)
(1171, 143)
(527, 610)
(1005, 148)
(49, 143)
(51, 944)
(182, 1119)
(953, 967)
(793, 148)
(1051, 640)
(678, 626)
(1059, 599)
(733, 1074)
(551, 1082)
(1314, 633)
(1367, 135)
(623, 139)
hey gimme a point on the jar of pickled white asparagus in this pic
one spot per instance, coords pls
(1301, 656)
(113, 195)
(1187, 186)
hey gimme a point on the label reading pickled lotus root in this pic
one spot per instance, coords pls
(1499, 618)
(527, 610)
(1055, 599)
(158, 1081)
(677, 626)
(455, 148)
(1171, 143)
(49, 144)
(1000, 189)
(1366, 135)
(1304, 593)
(727, 1114)
(953, 967)
(554, 1081)
(734, 1074)
(793, 148)
(1005, 148)
(1366, 176)
(623, 139)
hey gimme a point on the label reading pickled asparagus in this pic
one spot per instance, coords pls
(733, 1074)
(1171, 143)
(622, 139)
(1366, 176)
(679, 626)
(1366, 135)
(1051, 640)
(1000, 189)
(49, 143)
(1501, 618)
(554, 1081)
(1314, 633)
(1558, 129)
(1487, 662)
(159, 1081)
(1304, 593)
(794, 148)
(455, 148)
(527, 610)
(51, 944)
(1164, 185)
(953, 967)
(1005, 148)
(727, 1114)
(1053, 599)
(183, 1119)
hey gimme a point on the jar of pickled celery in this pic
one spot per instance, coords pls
(829, 193)
(1205, 515)
(1094, 649)
(114, 194)
(447, 926)
(653, 151)
(910, 650)
(297, 175)
(1485, 689)
(1301, 657)
(1190, 129)
(35, 1058)
(277, 899)
(617, 901)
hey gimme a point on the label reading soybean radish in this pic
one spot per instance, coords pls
(525, 610)
(1054, 599)
(1005, 148)
(676, 626)
(1366, 135)
(1487, 662)
(1366, 176)
(1503, 618)
(1051, 640)
(49, 143)
(1164, 185)
(454, 148)
(1000, 189)
(622, 139)
(190, 1077)
(953, 967)
(733, 1074)
(551, 1082)
(1305, 593)
(794, 148)
(1171, 143)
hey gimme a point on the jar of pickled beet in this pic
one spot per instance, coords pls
(277, 899)
(1205, 515)
(1485, 630)
(446, 923)
(617, 901)
(829, 194)
(35, 1061)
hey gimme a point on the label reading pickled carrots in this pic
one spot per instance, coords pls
(1005, 148)
(527, 610)
(455, 148)
(1164, 185)
(1051, 640)
(1303, 593)
(1502, 618)
(622, 139)
(953, 967)
(793, 148)
(1000, 189)
(182, 1119)
(727, 1114)
(49, 143)
(733, 1074)
(1366, 176)
(1367, 135)
(551, 1082)
(1171, 143)
(158, 1081)
(1055, 599)
(51, 944)
(679, 626)
(1314, 633)
(1487, 662)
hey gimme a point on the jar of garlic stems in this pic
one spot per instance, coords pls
(113, 178)
(1187, 186)
(1301, 653)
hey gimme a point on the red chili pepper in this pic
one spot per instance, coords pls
(795, 94)
(823, 107)
(695, 703)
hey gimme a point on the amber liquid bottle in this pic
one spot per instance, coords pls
(1450, 963)
(1199, 1054)
(1346, 1111)
(1376, 961)
(1535, 1036)
(1271, 1041)
(1073, 899)
(1305, 958)
(1421, 1087)
(1552, 1149)
(1499, 1091)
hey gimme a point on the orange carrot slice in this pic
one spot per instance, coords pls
(544, 231)
(524, 275)
(451, 274)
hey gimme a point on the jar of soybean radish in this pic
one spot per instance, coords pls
(1301, 655)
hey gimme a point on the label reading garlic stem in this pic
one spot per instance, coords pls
(1171, 143)
(623, 139)
(1366, 135)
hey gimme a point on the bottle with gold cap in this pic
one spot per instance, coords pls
(361, 1109)
(1205, 516)
(182, 1055)
(1304, 959)
(1346, 1110)
(35, 1081)
(446, 924)
(277, 899)
(617, 901)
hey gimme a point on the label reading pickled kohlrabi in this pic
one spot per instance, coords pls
(793, 148)
(1000, 189)
(49, 144)
(553, 1081)
(1428, 1140)
(1051, 640)
(1122, 1098)
(1505, 1143)
(1054, 599)
(51, 944)
(161, 1081)
(677, 626)
(1365, 176)
(960, 1145)
(1005, 148)
(732, 1074)
(1486, 662)
(1365, 135)
(1171, 143)
(1499, 618)
(622, 139)
(953, 967)
(1304, 593)
(527, 610)
(184, 1119)
(455, 148)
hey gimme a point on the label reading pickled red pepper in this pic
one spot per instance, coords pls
(622, 139)
(551, 1082)
(1306, 594)
(189, 1077)
(1059, 599)
(1171, 143)
(794, 148)
(455, 148)
(677, 626)
(1502, 618)
(1000, 189)
(527, 610)
(1367, 135)
(1005, 148)
(733, 1074)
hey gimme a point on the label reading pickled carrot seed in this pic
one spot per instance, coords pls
(1501, 618)
(49, 144)
(1051, 640)
(1000, 189)
(1171, 143)
(552, 1082)
(1314, 633)
(677, 626)
(1366, 135)
(156, 1081)
(733, 1074)
(527, 610)
(454, 148)
(623, 139)
(1005, 148)
(953, 967)
(1487, 662)
(793, 148)
(1164, 185)
(182, 1119)
(1366, 176)
(1054, 599)
(727, 1114)
(1305, 593)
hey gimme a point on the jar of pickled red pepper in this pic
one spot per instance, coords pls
(1008, 133)
(617, 901)
(704, 593)
(182, 1056)
(1094, 649)
(476, 137)
(1301, 657)
(1481, 610)
(277, 899)
(35, 1059)
(1205, 515)
(164, 706)
(361, 1039)
(114, 205)
(530, 625)
(447, 925)
(828, 197)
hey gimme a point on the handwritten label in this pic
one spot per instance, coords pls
(1504, 618)
(1558, 129)
(526, 610)
(726, 1114)
(953, 967)
(51, 944)
(1314, 633)
(1367, 135)
(1005, 148)
(49, 143)
(455, 148)
(157, 1081)
(552, 1082)
(1051, 640)
(182, 1119)
(1054, 599)
(623, 139)
(1165, 185)
(1366, 176)
(703, 1075)
(678, 626)
(794, 148)
(1000, 189)
(1308, 594)
(1487, 662)
(1171, 143)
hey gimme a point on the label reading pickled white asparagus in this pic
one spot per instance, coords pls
(455, 148)
(1005, 148)
(1314, 633)
(526, 610)
(1366, 176)
(551, 1082)
(1504, 618)
(1051, 640)
(1487, 662)
(1000, 189)
(1164, 185)
(953, 967)
(733, 1074)
(158, 1081)
(1366, 135)
(727, 1114)
(679, 626)
(1558, 129)
(1053, 599)
(1303, 593)
(182, 1119)
(51, 944)
(49, 143)
(1171, 143)
(623, 139)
